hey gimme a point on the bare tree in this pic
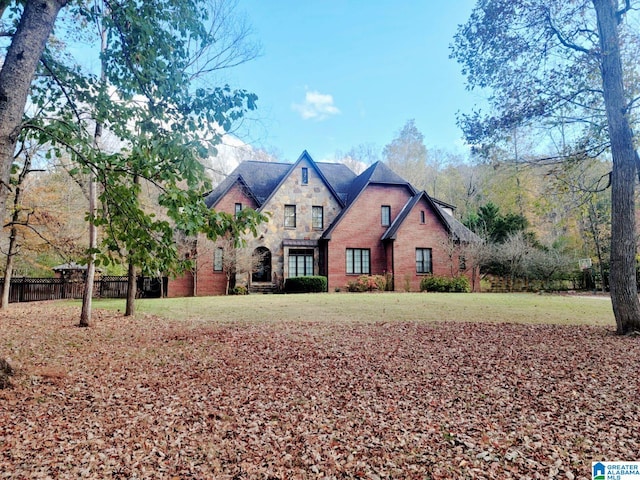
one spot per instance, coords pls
(358, 158)
(407, 155)
(236, 261)
(476, 254)
(13, 231)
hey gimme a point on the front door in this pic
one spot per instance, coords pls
(263, 272)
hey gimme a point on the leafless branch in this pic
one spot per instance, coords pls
(620, 13)
(560, 37)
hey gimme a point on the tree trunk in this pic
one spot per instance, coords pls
(8, 270)
(20, 63)
(87, 294)
(131, 274)
(622, 279)
(13, 235)
(130, 308)
(595, 233)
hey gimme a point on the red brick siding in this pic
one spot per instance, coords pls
(235, 195)
(413, 234)
(181, 286)
(361, 227)
(208, 281)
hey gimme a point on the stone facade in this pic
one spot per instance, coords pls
(300, 241)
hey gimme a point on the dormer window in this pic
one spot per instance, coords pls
(305, 176)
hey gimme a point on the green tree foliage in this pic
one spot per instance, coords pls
(29, 33)
(493, 226)
(570, 63)
(151, 96)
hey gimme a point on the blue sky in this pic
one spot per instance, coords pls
(336, 74)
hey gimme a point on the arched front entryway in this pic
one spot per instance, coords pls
(263, 273)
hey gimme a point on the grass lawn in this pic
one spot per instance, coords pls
(365, 307)
(331, 386)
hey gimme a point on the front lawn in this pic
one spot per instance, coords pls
(319, 386)
(368, 307)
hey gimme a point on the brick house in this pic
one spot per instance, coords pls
(326, 220)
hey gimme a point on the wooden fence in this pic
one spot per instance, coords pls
(25, 289)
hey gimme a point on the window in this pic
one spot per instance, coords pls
(290, 216)
(358, 261)
(385, 212)
(217, 260)
(317, 220)
(305, 175)
(300, 263)
(462, 263)
(238, 208)
(422, 217)
(423, 260)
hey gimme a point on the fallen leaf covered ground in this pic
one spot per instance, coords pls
(151, 398)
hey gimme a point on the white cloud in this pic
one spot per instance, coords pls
(316, 105)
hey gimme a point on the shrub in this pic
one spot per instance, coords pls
(356, 286)
(367, 283)
(239, 290)
(313, 284)
(407, 282)
(460, 284)
(434, 283)
(437, 283)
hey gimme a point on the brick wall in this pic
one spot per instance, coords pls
(210, 282)
(361, 227)
(181, 286)
(413, 234)
(206, 280)
(236, 194)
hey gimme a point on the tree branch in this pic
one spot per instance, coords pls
(620, 13)
(560, 37)
(62, 88)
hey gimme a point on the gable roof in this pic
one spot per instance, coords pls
(459, 232)
(377, 174)
(305, 156)
(457, 229)
(339, 176)
(261, 180)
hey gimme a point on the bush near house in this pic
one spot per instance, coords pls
(368, 283)
(312, 284)
(437, 283)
